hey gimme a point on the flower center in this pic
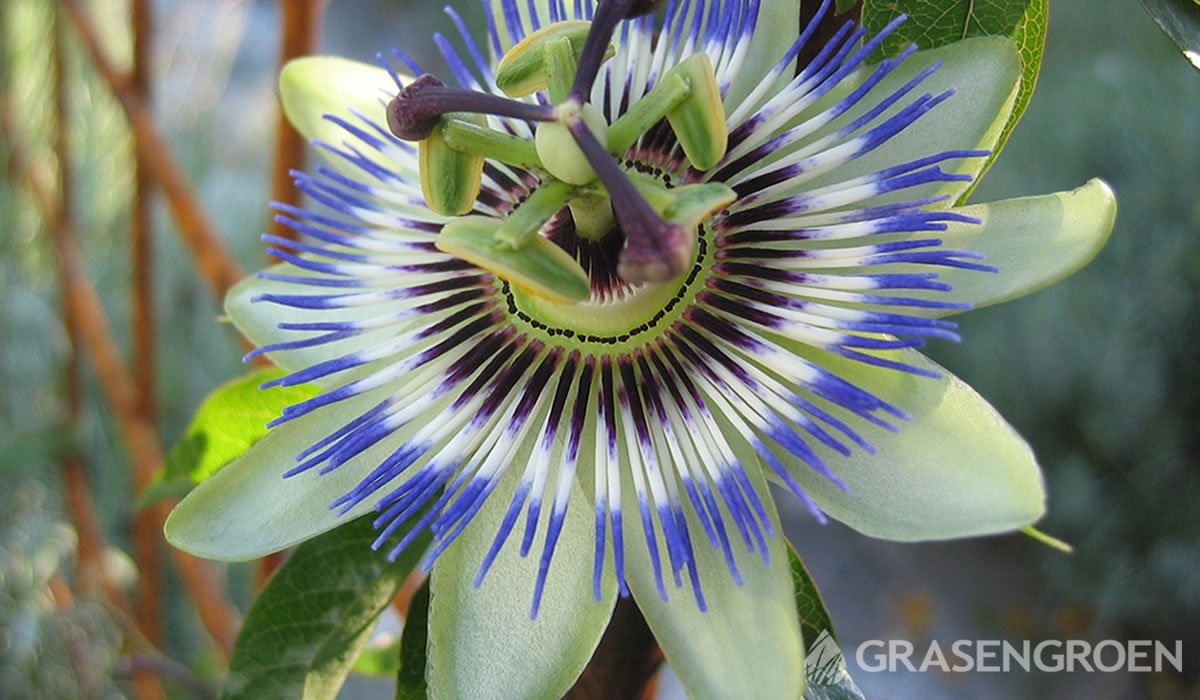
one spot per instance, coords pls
(593, 234)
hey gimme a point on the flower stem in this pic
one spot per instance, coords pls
(480, 140)
(626, 663)
(523, 224)
(646, 112)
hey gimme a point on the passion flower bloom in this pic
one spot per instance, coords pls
(573, 307)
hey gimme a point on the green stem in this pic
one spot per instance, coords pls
(523, 224)
(483, 141)
(1048, 540)
(646, 112)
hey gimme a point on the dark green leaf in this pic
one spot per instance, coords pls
(1180, 19)
(305, 629)
(825, 668)
(814, 619)
(410, 679)
(934, 23)
(228, 422)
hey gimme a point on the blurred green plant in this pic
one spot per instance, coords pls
(48, 648)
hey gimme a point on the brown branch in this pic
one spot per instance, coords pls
(77, 493)
(212, 257)
(626, 663)
(300, 20)
(147, 543)
(200, 578)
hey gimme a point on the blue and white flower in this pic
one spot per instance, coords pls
(564, 450)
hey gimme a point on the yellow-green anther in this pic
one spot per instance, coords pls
(687, 205)
(699, 121)
(469, 137)
(523, 71)
(654, 192)
(524, 224)
(541, 268)
(593, 216)
(450, 178)
(670, 93)
(558, 150)
(561, 64)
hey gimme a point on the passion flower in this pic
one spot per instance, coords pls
(574, 312)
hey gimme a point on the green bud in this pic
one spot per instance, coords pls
(523, 71)
(540, 267)
(450, 178)
(699, 120)
(559, 152)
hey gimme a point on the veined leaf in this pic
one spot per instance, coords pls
(824, 666)
(305, 629)
(414, 640)
(933, 23)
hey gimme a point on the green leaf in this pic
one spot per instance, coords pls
(1180, 20)
(483, 643)
(248, 509)
(378, 660)
(414, 649)
(1034, 241)
(748, 643)
(304, 630)
(825, 667)
(814, 619)
(228, 422)
(956, 469)
(934, 23)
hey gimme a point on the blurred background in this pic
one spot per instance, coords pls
(1100, 373)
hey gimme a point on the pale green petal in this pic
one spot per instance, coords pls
(748, 643)
(984, 72)
(1035, 241)
(957, 469)
(248, 510)
(482, 642)
(259, 321)
(314, 86)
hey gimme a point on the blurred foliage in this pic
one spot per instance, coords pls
(1100, 372)
(48, 648)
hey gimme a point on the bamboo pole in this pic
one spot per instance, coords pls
(212, 257)
(147, 538)
(77, 493)
(299, 24)
(200, 578)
